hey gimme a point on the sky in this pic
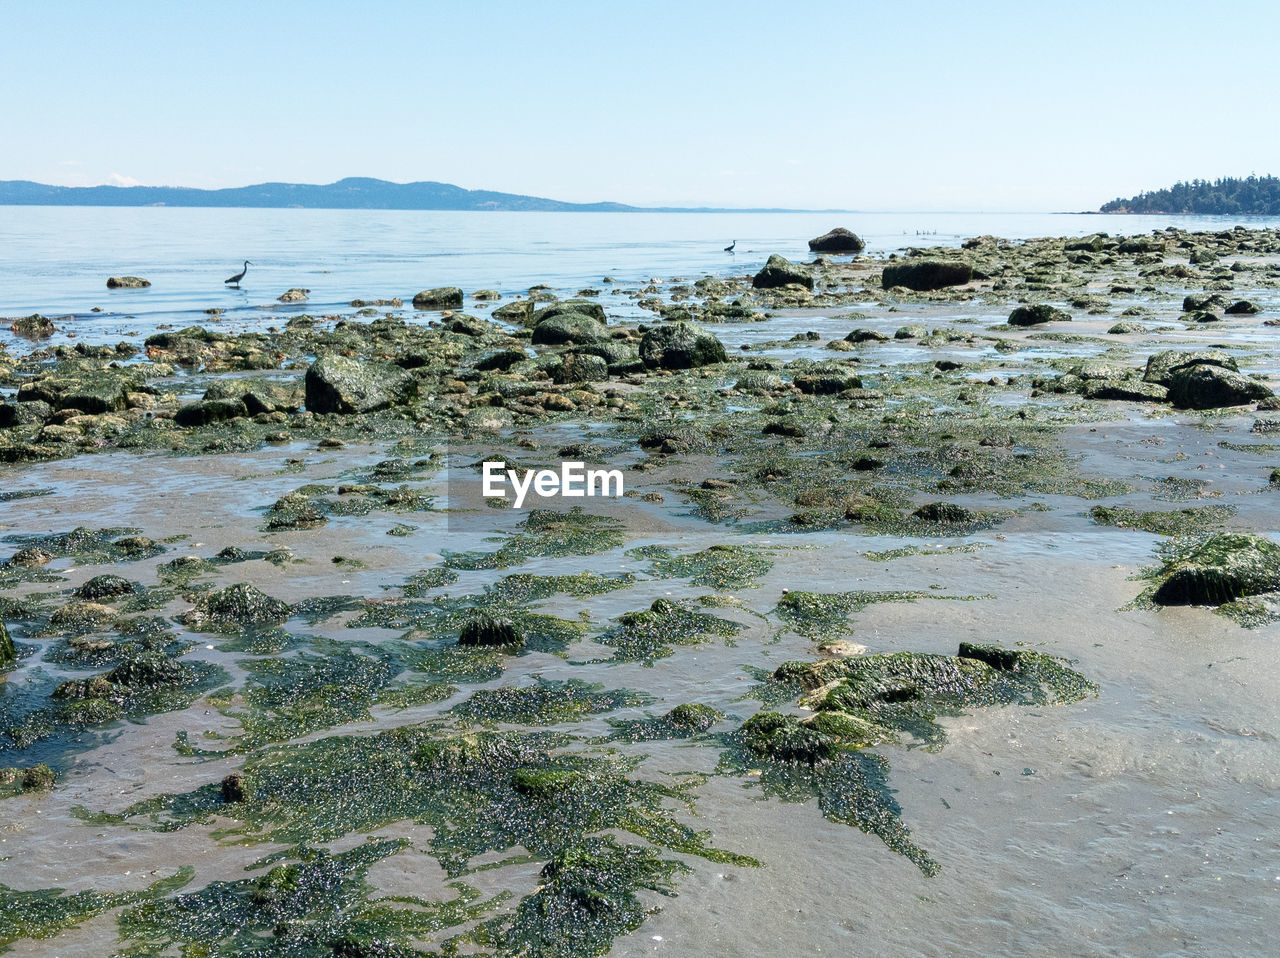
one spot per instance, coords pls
(814, 105)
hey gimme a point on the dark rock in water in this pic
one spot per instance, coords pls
(294, 511)
(488, 630)
(500, 361)
(680, 346)
(694, 717)
(1242, 307)
(826, 384)
(1195, 302)
(38, 778)
(926, 275)
(1038, 314)
(779, 271)
(1226, 566)
(911, 332)
(1202, 316)
(583, 307)
(1141, 244)
(1124, 327)
(235, 788)
(579, 368)
(337, 384)
(83, 386)
(1274, 480)
(106, 587)
(442, 297)
(8, 654)
(237, 605)
(865, 336)
(206, 411)
(1000, 659)
(127, 282)
(838, 240)
(945, 512)
(1212, 387)
(295, 295)
(258, 395)
(34, 326)
(577, 328)
(1162, 365)
(149, 670)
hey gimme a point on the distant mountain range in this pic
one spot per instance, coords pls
(353, 193)
(1230, 196)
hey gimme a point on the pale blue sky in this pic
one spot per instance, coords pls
(878, 106)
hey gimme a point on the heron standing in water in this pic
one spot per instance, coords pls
(727, 249)
(235, 280)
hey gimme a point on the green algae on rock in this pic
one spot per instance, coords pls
(236, 607)
(1219, 569)
(653, 633)
(818, 614)
(546, 702)
(682, 722)
(717, 567)
(546, 533)
(1179, 522)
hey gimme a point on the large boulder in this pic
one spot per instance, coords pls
(1212, 387)
(127, 282)
(779, 271)
(925, 275)
(583, 306)
(338, 384)
(1162, 365)
(1226, 566)
(1037, 315)
(579, 368)
(569, 327)
(442, 297)
(680, 346)
(838, 240)
(206, 411)
(81, 386)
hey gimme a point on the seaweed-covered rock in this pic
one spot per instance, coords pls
(32, 413)
(442, 297)
(38, 778)
(203, 412)
(926, 275)
(487, 630)
(338, 384)
(127, 282)
(838, 240)
(234, 788)
(82, 617)
(1198, 302)
(779, 271)
(1037, 315)
(235, 606)
(1242, 307)
(947, 512)
(1162, 365)
(1213, 387)
(784, 739)
(826, 384)
(569, 327)
(1226, 566)
(106, 587)
(580, 307)
(579, 368)
(147, 670)
(501, 361)
(693, 717)
(8, 653)
(83, 386)
(680, 346)
(294, 295)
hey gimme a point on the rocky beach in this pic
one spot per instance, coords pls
(939, 614)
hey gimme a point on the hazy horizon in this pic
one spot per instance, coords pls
(838, 106)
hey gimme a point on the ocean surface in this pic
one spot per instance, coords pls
(56, 260)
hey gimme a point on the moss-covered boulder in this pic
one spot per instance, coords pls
(570, 327)
(1162, 365)
(106, 587)
(1226, 566)
(680, 346)
(779, 271)
(442, 297)
(83, 386)
(579, 368)
(236, 606)
(16, 414)
(926, 275)
(838, 240)
(1038, 315)
(1213, 387)
(339, 384)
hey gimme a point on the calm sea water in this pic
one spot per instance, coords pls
(56, 260)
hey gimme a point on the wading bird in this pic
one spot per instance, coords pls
(235, 280)
(727, 249)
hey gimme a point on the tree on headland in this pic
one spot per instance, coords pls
(1251, 196)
